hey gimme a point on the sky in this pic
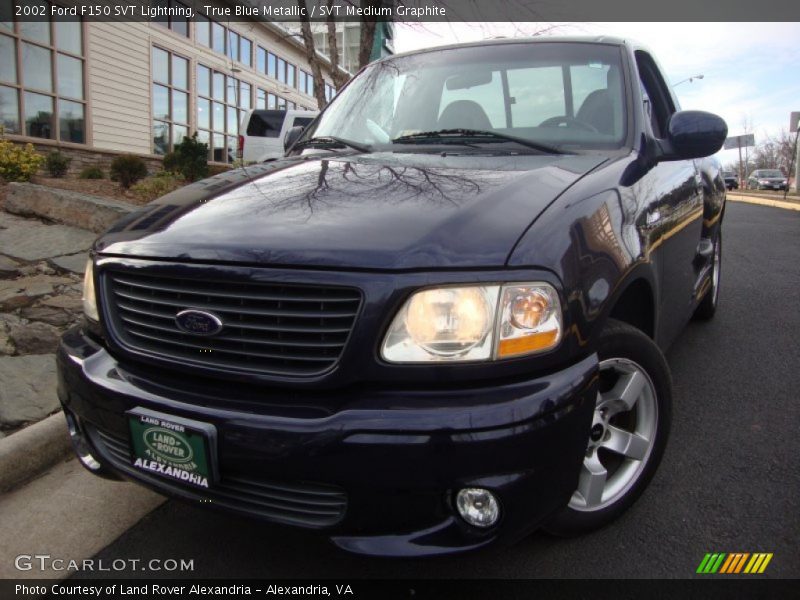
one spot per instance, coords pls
(751, 71)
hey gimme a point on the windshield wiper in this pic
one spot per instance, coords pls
(473, 134)
(329, 140)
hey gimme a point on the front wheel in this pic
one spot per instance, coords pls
(628, 433)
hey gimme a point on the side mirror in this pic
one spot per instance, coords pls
(695, 134)
(292, 136)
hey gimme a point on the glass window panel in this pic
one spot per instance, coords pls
(160, 65)
(69, 36)
(160, 102)
(8, 64)
(204, 137)
(37, 68)
(232, 90)
(70, 121)
(39, 115)
(219, 153)
(160, 137)
(290, 75)
(246, 51)
(232, 147)
(202, 31)
(261, 60)
(204, 113)
(219, 86)
(233, 45)
(203, 80)
(180, 24)
(310, 85)
(301, 80)
(272, 69)
(272, 102)
(38, 31)
(281, 70)
(163, 18)
(178, 133)
(180, 106)
(180, 72)
(70, 76)
(9, 109)
(281, 103)
(218, 122)
(232, 124)
(244, 100)
(218, 37)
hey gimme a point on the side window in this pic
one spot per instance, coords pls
(265, 124)
(658, 105)
(302, 121)
(488, 96)
(536, 94)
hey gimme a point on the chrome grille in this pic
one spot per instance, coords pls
(268, 328)
(304, 504)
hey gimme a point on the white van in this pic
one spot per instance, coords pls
(263, 131)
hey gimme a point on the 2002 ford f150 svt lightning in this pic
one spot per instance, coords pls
(435, 324)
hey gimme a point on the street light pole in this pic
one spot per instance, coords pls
(689, 79)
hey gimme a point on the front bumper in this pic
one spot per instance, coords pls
(378, 473)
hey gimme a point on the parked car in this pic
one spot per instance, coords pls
(436, 324)
(767, 179)
(731, 180)
(263, 132)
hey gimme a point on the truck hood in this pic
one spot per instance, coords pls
(373, 211)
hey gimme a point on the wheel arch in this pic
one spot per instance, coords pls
(635, 304)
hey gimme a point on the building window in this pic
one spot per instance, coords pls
(272, 65)
(170, 100)
(329, 92)
(245, 51)
(261, 60)
(45, 97)
(223, 40)
(305, 82)
(221, 104)
(177, 23)
(290, 75)
(281, 70)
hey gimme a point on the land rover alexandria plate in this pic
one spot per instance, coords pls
(172, 447)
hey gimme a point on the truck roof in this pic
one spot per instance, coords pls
(580, 39)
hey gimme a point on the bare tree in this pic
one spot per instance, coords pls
(311, 55)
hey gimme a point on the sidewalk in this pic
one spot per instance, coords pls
(68, 514)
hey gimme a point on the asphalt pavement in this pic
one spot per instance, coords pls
(729, 481)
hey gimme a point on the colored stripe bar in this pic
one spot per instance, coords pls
(732, 558)
(764, 564)
(703, 563)
(718, 563)
(741, 562)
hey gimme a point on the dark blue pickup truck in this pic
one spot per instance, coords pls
(435, 324)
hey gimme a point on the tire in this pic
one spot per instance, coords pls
(639, 419)
(707, 308)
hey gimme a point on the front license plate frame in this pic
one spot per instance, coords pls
(173, 448)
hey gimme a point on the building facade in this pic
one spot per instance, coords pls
(140, 87)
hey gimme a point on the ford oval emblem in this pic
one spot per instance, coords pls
(198, 322)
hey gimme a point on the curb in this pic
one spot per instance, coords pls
(785, 204)
(32, 450)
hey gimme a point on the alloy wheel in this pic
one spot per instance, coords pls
(622, 435)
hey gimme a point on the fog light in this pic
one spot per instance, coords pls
(79, 443)
(478, 507)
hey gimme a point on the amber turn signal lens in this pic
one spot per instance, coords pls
(527, 344)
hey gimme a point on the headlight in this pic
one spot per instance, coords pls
(763, 181)
(472, 323)
(89, 299)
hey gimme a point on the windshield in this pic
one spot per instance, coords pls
(567, 96)
(771, 173)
